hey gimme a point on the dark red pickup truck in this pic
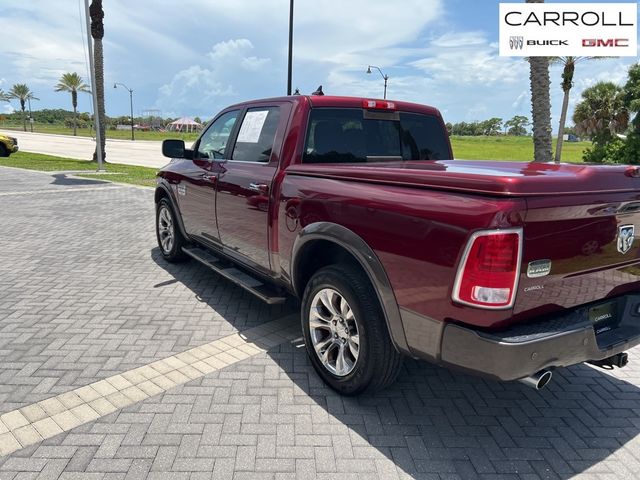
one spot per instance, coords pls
(355, 206)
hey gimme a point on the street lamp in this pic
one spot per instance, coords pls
(386, 77)
(115, 85)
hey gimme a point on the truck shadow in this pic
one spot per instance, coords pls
(435, 421)
(66, 180)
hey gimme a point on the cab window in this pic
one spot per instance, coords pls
(214, 141)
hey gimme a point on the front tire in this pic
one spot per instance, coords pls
(4, 152)
(345, 332)
(170, 239)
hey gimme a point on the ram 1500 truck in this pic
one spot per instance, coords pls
(357, 208)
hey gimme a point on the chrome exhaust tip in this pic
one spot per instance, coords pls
(538, 380)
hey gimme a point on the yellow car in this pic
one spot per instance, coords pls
(8, 145)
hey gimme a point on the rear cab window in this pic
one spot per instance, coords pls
(355, 135)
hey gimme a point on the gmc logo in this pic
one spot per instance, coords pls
(601, 42)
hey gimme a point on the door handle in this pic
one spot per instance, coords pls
(259, 188)
(209, 178)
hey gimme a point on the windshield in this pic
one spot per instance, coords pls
(347, 135)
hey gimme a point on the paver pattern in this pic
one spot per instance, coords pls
(85, 293)
(80, 302)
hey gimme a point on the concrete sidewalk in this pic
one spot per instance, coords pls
(144, 153)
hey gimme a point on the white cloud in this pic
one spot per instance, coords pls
(329, 49)
(460, 39)
(353, 33)
(468, 58)
(229, 48)
(201, 89)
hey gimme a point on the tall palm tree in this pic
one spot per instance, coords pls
(540, 105)
(22, 93)
(568, 70)
(3, 96)
(72, 82)
(97, 32)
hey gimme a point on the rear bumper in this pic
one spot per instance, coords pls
(551, 342)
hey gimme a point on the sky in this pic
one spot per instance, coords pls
(195, 57)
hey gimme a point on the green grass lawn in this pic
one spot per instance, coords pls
(509, 148)
(116, 134)
(116, 173)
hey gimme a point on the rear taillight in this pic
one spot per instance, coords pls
(489, 269)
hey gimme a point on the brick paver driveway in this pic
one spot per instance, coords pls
(84, 296)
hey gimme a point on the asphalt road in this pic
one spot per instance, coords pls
(144, 153)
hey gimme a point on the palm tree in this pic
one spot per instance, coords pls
(72, 82)
(21, 92)
(602, 112)
(567, 83)
(3, 96)
(632, 94)
(97, 32)
(540, 105)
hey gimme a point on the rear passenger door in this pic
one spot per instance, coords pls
(244, 188)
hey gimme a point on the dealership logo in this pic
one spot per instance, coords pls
(544, 43)
(601, 42)
(516, 43)
(568, 29)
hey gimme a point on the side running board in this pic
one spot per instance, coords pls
(263, 291)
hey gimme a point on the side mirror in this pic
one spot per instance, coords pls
(173, 148)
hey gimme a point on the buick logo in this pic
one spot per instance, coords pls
(625, 238)
(516, 43)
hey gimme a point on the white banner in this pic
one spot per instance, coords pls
(569, 29)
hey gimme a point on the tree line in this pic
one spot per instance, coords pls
(67, 118)
(493, 126)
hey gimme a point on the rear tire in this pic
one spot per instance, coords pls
(345, 332)
(3, 150)
(170, 238)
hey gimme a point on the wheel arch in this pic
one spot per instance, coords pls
(162, 191)
(321, 244)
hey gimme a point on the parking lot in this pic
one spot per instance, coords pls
(117, 365)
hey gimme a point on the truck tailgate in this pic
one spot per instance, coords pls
(589, 241)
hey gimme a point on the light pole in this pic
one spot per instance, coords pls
(386, 77)
(115, 85)
(290, 66)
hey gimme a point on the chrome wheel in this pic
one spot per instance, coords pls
(166, 233)
(334, 332)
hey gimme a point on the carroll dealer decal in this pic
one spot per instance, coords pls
(569, 29)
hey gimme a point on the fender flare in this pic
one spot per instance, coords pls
(369, 262)
(167, 192)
